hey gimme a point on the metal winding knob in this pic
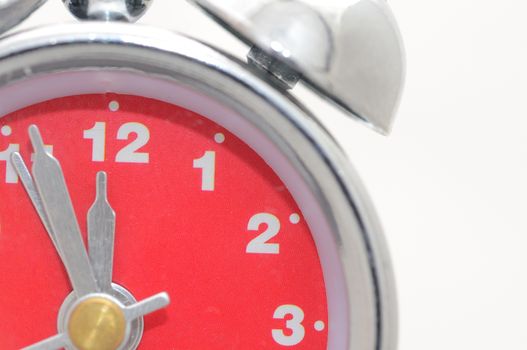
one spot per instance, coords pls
(348, 51)
(108, 10)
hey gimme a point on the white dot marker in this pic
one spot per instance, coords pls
(219, 138)
(319, 326)
(6, 130)
(294, 218)
(114, 106)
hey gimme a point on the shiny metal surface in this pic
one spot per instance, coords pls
(130, 312)
(58, 208)
(54, 343)
(108, 10)
(370, 312)
(101, 235)
(348, 51)
(13, 12)
(147, 306)
(97, 323)
(50, 198)
(31, 190)
(136, 327)
(284, 75)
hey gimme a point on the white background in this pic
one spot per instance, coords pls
(450, 182)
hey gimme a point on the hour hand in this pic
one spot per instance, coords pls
(51, 186)
(31, 189)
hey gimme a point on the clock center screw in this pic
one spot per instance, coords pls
(97, 323)
(119, 296)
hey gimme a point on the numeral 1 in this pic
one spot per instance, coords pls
(11, 177)
(207, 164)
(10, 174)
(98, 135)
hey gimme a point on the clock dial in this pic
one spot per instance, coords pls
(199, 214)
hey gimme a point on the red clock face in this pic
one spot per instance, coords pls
(199, 215)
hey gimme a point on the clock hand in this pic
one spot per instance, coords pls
(101, 223)
(29, 185)
(147, 306)
(132, 312)
(57, 205)
(101, 235)
(54, 343)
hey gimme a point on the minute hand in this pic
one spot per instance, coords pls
(52, 188)
(101, 234)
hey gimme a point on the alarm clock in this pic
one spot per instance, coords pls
(158, 193)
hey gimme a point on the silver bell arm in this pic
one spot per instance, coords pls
(349, 51)
(13, 12)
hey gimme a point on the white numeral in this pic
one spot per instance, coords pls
(98, 135)
(260, 244)
(11, 177)
(207, 164)
(10, 174)
(295, 316)
(129, 154)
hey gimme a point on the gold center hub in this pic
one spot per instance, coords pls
(97, 323)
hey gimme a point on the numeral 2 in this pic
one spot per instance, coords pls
(261, 245)
(129, 154)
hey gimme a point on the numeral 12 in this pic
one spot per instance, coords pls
(129, 154)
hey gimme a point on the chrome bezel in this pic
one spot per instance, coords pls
(285, 122)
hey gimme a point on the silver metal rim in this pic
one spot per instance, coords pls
(357, 233)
